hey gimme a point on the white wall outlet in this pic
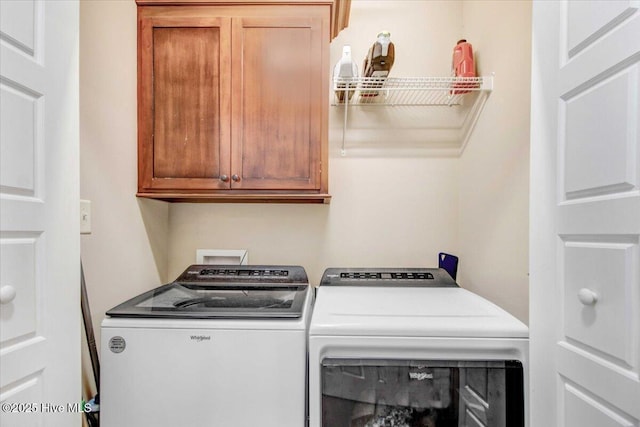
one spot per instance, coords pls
(85, 216)
(222, 256)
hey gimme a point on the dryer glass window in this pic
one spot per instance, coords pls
(422, 393)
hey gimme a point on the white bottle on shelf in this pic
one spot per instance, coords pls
(345, 68)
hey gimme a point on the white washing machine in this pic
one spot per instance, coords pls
(222, 346)
(407, 348)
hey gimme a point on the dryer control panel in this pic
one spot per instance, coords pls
(388, 277)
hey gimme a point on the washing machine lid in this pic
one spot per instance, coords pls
(229, 292)
(410, 312)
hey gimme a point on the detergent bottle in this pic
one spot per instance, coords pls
(378, 62)
(345, 69)
(380, 58)
(463, 65)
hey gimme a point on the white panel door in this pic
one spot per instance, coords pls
(585, 214)
(39, 203)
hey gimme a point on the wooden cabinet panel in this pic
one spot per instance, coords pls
(276, 106)
(184, 105)
(187, 118)
(232, 102)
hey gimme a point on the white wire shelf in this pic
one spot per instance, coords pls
(416, 91)
(407, 91)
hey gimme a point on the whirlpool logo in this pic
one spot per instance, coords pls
(200, 338)
(420, 376)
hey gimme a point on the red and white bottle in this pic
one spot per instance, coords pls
(463, 65)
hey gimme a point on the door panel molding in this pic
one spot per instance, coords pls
(589, 22)
(585, 214)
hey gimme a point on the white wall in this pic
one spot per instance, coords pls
(126, 253)
(494, 168)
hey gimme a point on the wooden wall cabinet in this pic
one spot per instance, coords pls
(232, 101)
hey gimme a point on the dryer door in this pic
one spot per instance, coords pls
(423, 393)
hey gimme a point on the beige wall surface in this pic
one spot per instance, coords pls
(494, 168)
(394, 208)
(126, 253)
(384, 212)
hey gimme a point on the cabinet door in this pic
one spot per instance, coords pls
(277, 86)
(184, 105)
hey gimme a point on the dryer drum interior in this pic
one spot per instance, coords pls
(421, 393)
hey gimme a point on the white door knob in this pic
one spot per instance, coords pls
(587, 296)
(7, 294)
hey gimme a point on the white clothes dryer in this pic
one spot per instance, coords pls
(409, 347)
